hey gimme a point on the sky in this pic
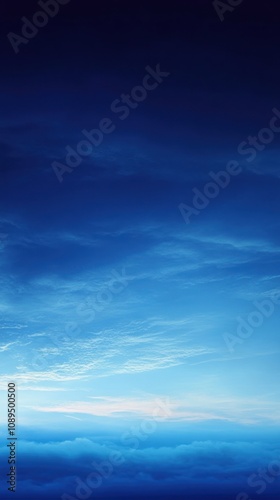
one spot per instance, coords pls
(140, 294)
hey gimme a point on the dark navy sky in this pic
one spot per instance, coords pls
(129, 279)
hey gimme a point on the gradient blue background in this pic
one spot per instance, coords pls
(85, 383)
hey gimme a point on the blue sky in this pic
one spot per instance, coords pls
(110, 303)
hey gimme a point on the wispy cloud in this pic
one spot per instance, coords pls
(189, 408)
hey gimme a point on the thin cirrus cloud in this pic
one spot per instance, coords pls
(190, 408)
